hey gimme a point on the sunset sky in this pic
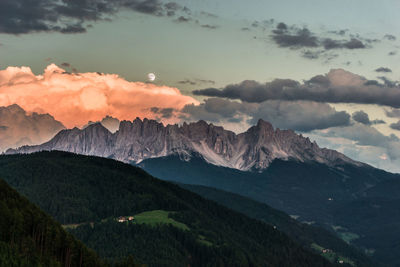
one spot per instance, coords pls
(327, 69)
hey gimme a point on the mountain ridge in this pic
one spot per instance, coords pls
(138, 140)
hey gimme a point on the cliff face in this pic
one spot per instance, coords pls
(135, 141)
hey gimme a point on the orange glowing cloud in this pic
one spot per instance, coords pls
(76, 98)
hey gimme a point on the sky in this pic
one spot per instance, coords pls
(327, 69)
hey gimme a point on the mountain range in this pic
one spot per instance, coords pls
(138, 140)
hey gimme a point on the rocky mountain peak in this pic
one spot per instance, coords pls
(264, 126)
(14, 108)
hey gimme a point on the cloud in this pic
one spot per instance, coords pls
(337, 86)
(21, 128)
(392, 53)
(196, 81)
(362, 117)
(395, 126)
(365, 135)
(339, 32)
(27, 16)
(379, 154)
(208, 26)
(74, 99)
(165, 113)
(393, 113)
(353, 43)
(68, 66)
(209, 15)
(387, 82)
(383, 69)
(389, 37)
(300, 115)
(296, 38)
(183, 19)
(215, 110)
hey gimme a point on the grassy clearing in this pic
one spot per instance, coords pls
(156, 217)
(344, 233)
(348, 236)
(331, 255)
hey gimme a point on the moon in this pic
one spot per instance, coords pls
(151, 77)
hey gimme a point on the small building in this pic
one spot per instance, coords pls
(121, 219)
(131, 218)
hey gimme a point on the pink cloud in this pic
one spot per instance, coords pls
(76, 98)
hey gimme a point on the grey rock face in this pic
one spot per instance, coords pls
(135, 141)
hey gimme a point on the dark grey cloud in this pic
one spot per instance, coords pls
(353, 43)
(71, 16)
(395, 126)
(389, 37)
(309, 54)
(393, 113)
(255, 24)
(165, 113)
(65, 65)
(300, 115)
(296, 38)
(388, 82)
(208, 14)
(172, 6)
(362, 117)
(69, 67)
(383, 69)
(183, 19)
(339, 32)
(319, 54)
(215, 110)
(196, 81)
(208, 26)
(187, 81)
(337, 86)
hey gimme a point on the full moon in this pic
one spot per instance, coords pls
(151, 77)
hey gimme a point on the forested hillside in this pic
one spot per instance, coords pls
(88, 194)
(29, 237)
(309, 236)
